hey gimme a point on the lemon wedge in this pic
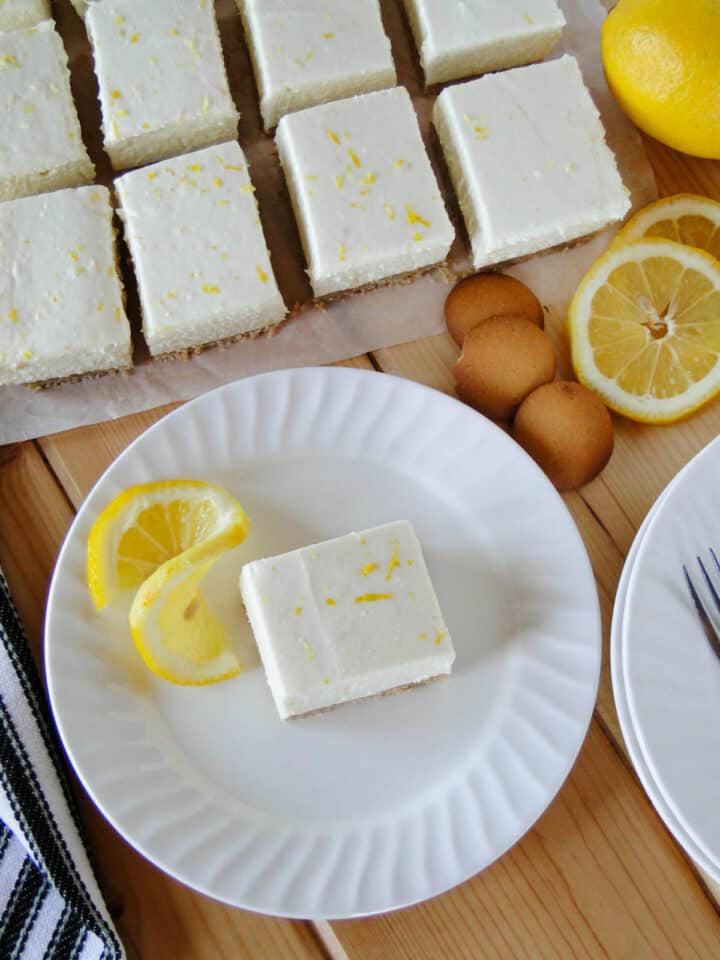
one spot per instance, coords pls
(645, 329)
(175, 631)
(149, 524)
(685, 218)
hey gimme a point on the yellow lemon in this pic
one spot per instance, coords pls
(175, 631)
(685, 218)
(662, 62)
(645, 329)
(149, 524)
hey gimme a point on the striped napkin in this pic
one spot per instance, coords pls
(50, 904)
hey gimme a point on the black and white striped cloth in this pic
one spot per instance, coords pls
(50, 905)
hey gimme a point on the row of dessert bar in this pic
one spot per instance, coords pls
(525, 150)
(162, 83)
(303, 54)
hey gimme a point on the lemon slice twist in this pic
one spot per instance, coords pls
(161, 539)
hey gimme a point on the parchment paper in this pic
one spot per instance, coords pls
(355, 324)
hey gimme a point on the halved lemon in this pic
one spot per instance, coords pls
(685, 218)
(149, 524)
(645, 329)
(175, 631)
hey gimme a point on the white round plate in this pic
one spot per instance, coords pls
(671, 675)
(378, 804)
(623, 710)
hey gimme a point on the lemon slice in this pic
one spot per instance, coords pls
(645, 329)
(147, 525)
(175, 631)
(685, 218)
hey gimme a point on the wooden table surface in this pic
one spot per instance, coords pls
(599, 876)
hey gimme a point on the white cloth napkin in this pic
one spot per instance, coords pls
(50, 902)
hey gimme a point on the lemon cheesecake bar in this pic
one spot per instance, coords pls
(197, 244)
(463, 38)
(527, 155)
(61, 301)
(346, 619)
(365, 197)
(306, 52)
(42, 146)
(15, 14)
(161, 78)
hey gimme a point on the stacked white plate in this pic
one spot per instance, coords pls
(666, 677)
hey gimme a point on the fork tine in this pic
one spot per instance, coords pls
(699, 605)
(711, 585)
(709, 618)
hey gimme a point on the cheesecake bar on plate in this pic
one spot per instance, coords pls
(463, 38)
(366, 200)
(197, 244)
(346, 619)
(528, 159)
(311, 51)
(61, 302)
(161, 77)
(42, 147)
(16, 14)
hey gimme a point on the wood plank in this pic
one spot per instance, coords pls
(598, 877)
(34, 519)
(156, 916)
(677, 173)
(78, 457)
(429, 361)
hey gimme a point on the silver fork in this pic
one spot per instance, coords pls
(707, 599)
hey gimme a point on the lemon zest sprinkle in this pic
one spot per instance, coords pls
(373, 597)
(394, 562)
(413, 217)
